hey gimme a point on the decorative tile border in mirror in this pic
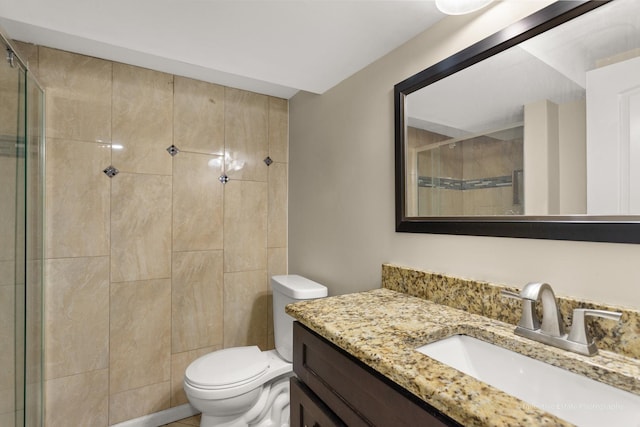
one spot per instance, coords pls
(484, 298)
(461, 184)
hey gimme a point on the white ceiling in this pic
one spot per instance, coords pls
(267, 46)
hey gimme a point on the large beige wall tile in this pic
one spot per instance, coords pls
(11, 91)
(78, 101)
(161, 220)
(7, 272)
(246, 134)
(77, 202)
(140, 227)
(19, 355)
(179, 364)
(245, 309)
(7, 349)
(28, 52)
(8, 419)
(77, 315)
(34, 327)
(277, 216)
(198, 116)
(197, 202)
(8, 184)
(196, 296)
(279, 130)
(78, 400)
(245, 226)
(276, 262)
(140, 341)
(138, 402)
(276, 265)
(142, 119)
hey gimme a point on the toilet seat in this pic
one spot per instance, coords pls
(212, 376)
(244, 386)
(231, 367)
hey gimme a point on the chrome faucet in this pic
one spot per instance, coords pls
(551, 331)
(551, 319)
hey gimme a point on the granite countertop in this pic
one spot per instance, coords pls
(382, 328)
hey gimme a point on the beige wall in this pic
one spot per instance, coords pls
(341, 196)
(162, 263)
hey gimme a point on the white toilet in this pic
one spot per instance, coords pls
(243, 386)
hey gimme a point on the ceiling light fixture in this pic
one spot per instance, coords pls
(460, 7)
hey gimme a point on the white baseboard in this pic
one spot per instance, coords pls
(160, 418)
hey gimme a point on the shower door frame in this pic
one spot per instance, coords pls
(27, 408)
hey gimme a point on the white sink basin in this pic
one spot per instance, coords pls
(569, 396)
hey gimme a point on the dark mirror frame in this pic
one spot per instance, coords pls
(619, 229)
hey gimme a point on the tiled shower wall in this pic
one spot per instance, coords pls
(475, 167)
(162, 263)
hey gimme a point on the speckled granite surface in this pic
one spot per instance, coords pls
(484, 298)
(383, 328)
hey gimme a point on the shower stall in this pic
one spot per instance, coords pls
(21, 242)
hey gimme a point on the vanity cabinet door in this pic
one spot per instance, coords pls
(309, 411)
(356, 393)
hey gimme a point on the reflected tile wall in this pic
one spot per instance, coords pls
(150, 269)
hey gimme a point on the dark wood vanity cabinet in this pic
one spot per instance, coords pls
(333, 388)
(308, 410)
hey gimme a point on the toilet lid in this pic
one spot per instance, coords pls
(224, 368)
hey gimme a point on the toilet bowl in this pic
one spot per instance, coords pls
(244, 386)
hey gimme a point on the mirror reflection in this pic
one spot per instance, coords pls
(548, 127)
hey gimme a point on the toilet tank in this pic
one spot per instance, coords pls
(287, 289)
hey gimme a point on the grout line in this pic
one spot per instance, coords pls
(110, 255)
(171, 278)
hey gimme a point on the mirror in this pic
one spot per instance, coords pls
(533, 132)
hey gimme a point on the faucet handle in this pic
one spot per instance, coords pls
(529, 318)
(579, 332)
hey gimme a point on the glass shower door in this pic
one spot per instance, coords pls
(21, 199)
(34, 253)
(12, 280)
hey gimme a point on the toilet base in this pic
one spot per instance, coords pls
(271, 409)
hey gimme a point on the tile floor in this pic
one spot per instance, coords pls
(187, 422)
